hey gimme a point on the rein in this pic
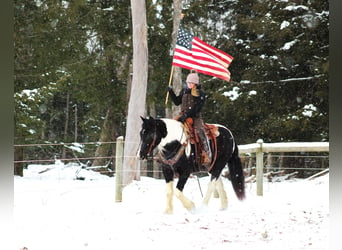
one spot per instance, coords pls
(153, 142)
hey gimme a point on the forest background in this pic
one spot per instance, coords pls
(72, 71)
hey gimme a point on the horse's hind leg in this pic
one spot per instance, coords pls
(222, 194)
(210, 190)
(216, 184)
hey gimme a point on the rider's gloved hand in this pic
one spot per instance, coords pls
(182, 118)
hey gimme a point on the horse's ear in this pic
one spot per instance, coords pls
(142, 118)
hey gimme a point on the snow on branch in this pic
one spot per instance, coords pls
(284, 80)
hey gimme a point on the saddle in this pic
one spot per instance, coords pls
(211, 132)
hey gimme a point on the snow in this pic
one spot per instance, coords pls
(308, 110)
(232, 94)
(78, 147)
(296, 7)
(252, 92)
(288, 45)
(52, 210)
(284, 25)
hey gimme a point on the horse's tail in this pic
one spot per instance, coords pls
(236, 174)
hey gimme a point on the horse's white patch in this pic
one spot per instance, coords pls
(175, 131)
(188, 150)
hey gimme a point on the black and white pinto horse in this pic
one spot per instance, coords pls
(168, 136)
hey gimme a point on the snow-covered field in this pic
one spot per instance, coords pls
(52, 210)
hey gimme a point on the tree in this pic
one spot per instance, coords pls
(112, 29)
(280, 67)
(71, 53)
(177, 72)
(81, 48)
(137, 100)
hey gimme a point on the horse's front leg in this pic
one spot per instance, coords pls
(188, 204)
(168, 175)
(169, 198)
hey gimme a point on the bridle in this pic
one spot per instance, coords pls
(153, 141)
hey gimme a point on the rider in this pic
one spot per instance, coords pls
(192, 99)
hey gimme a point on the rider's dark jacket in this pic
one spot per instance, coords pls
(192, 101)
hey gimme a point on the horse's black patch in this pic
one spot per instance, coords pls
(171, 148)
(161, 128)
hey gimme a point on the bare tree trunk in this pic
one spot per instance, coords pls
(177, 72)
(106, 136)
(19, 156)
(66, 124)
(137, 101)
(76, 123)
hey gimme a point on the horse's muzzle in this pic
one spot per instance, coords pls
(142, 156)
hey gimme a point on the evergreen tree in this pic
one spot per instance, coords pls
(72, 54)
(79, 52)
(280, 64)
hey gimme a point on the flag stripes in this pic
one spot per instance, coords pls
(193, 53)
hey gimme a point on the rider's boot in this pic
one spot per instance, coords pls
(206, 153)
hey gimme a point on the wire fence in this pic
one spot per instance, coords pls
(276, 165)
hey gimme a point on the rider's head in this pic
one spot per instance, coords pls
(192, 79)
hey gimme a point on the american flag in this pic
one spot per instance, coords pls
(193, 53)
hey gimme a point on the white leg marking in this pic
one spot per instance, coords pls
(222, 194)
(188, 204)
(169, 198)
(210, 190)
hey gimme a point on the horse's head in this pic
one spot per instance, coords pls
(151, 133)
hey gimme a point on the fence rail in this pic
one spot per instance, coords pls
(284, 147)
(259, 148)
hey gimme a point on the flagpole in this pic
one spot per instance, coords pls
(170, 80)
(172, 68)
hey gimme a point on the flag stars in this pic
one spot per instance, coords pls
(184, 39)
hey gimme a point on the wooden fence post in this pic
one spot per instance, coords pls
(118, 168)
(259, 168)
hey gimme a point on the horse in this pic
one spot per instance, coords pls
(177, 155)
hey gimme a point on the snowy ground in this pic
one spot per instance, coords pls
(52, 210)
